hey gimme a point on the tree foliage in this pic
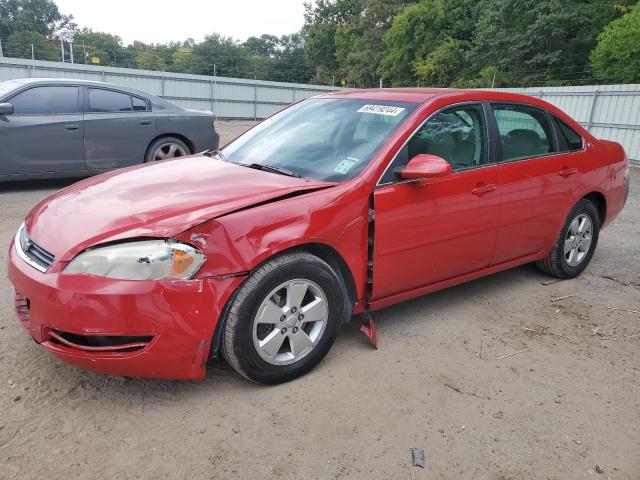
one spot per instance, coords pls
(356, 43)
(616, 57)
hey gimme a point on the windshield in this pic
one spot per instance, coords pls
(322, 139)
(8, 86)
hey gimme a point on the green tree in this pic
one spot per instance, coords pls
(416, 31)
(183, 60)
(228, 56)
(616, 57)
(107, 47)
(148, 60)
(41, 16)
(291, 63)
(264, 45)
(443, 65)
(540, 42)
(321, 22)
(430, 41)
(19, 46)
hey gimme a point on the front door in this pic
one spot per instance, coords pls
(45, 132)
(437, 229)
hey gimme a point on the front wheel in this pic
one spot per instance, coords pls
(576, 243)
(283, 319)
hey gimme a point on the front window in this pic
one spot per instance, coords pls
(458, 135)
(46, 101)
(322, 139)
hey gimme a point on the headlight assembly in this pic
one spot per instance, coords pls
(141, 260)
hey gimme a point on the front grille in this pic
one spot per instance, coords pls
(31, 252)
(39, 255)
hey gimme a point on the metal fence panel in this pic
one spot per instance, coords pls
(226, 97)
(611, 112)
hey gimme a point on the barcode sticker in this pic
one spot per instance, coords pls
(382, 110)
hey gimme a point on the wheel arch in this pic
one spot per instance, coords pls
(179, 136)
(600, 201)
(323, 251)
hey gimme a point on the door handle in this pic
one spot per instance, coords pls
(71, 127)
(145, 122)
(482, 188)
(566, 171)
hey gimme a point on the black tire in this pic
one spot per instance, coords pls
(556, 264)
(150, 156)
(237, 342)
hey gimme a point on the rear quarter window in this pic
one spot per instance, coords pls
(570, 140)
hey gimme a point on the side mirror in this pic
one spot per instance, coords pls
(425, 166)
(6, 109)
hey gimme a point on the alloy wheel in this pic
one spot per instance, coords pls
(169, 150)
(577, 242)
(290, 322)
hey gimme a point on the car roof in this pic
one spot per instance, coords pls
(424, 95)
(94, 83)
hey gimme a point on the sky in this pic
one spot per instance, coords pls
(161, 21)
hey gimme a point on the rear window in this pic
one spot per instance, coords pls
(570, 140)
(525, 131)
(109, 101)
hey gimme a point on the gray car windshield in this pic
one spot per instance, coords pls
(322, 139)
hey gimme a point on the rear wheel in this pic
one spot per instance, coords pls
(576, 243)
(165, 148)
(283, 319)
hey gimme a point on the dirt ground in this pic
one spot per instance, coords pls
(566, 408)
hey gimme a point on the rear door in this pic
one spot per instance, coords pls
(45, 132)
(118, 128)
(441, 228)
(538, 181)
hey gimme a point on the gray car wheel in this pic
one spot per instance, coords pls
(166, 148)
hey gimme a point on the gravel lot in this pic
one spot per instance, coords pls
(567, 408)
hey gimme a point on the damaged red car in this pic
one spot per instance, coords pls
(336, 206)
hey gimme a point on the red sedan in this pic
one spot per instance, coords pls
(337, 206)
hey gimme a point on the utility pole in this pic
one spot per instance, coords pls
(62, 49)
(71, 50)
(215, 92)
(33, 53)
(1, 54)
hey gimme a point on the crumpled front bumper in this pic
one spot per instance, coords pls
(159, 329)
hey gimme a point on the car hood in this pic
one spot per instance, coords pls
(161, 199)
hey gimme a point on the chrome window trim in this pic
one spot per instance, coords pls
(23, 255)
(446, 107)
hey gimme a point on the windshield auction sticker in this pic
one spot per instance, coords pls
(382, 110)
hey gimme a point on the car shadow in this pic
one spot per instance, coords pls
(221, 376)
(41, 184)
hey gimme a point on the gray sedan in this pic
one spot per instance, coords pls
(61, 128)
